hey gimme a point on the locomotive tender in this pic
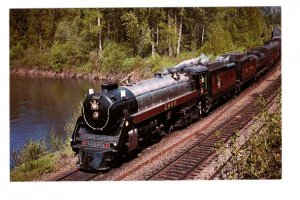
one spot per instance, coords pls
(120, 120)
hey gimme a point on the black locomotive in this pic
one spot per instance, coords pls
(119, 120)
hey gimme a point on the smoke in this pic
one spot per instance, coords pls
(223, 58)
(194, 61)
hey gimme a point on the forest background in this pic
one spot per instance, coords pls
(110, 40)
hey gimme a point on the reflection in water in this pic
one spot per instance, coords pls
(39, 104)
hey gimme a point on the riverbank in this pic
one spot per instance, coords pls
(116, 70)
(135, 75)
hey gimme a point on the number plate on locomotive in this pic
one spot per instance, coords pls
(99, 137)
(94, 144)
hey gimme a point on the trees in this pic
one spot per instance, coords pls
(235, 29)
(137, 33)
(82, 35)
(219, 38)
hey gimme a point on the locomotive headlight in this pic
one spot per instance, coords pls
(91, 91)
(96, 115)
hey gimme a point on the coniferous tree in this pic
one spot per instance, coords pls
(81, 38)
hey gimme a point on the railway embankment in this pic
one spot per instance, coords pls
(254, 152)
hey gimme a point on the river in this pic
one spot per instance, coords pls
(39, 104)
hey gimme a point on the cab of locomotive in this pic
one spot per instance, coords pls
(199, 74)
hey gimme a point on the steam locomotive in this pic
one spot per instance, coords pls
(120, 120)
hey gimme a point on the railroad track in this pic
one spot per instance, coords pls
(78, 175)
(198, 155)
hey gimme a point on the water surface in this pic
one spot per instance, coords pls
(39, 104)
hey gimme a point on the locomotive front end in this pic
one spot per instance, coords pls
(98, 131)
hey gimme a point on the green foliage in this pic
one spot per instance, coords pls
(16, 51)
(145, 39)
(32, 150)
(138, 33)
(220, 144)
(32, 170)
(93, 61)
(167, 38)
(56, 141)
(86, 68)
(155, 63)
(130, 64)
(235, 29)
(66, 54)
(219, 39)
(68, 128)
(74, 38)
(113, 57)
(159, 63)
(59, 56)
(132, 29)
(260, 158)
(30, 58)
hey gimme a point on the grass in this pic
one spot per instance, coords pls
(32, 170)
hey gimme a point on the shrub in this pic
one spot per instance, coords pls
(16, 51)
(154, 62)
(32, 170)
(113, 57)
(69, 128)
(130, 64)
(86, 68)
(56, 141)
(30, 57)
(59, 54)
(94, 59)
(32, 150)
(66, 54)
